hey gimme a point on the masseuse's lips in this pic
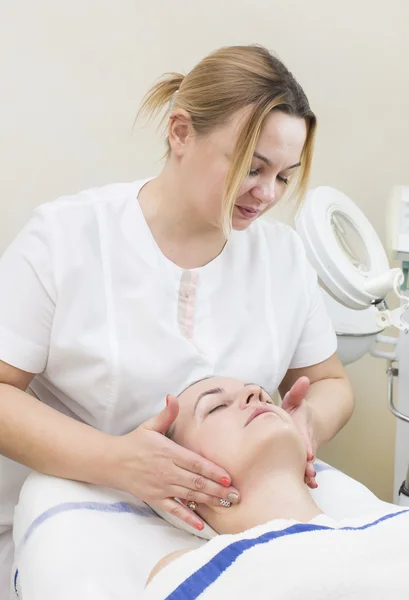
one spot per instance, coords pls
(260, 410)
(248, 212)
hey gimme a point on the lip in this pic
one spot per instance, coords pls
(259, 411)
(248, 212)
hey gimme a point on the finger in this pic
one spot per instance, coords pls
(199, 466)
(309, 470)
(310, 455)
(297, 394)
(310, 475)
(162, 421)
(175, 508)
(189, 495)
(198, 484)
(303, 431)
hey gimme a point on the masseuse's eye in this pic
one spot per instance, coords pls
(284, 180)
(217, 408)
(253, 172)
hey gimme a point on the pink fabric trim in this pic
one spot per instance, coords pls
(187, 302)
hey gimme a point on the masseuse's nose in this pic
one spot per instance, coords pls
(251, 394)
(265, 191)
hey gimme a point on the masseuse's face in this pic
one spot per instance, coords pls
(231, 423)
(205, 161)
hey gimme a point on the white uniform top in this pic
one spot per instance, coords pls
(110, 326)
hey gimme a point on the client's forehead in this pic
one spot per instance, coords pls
(221, 384)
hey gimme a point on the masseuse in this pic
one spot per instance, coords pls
(114, 297)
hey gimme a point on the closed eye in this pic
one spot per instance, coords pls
(216, 408)
(255, 172)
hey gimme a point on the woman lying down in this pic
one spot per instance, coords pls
(276, 543)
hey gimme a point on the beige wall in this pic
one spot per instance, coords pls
(74, 72)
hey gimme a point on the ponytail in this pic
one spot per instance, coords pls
(160, 95)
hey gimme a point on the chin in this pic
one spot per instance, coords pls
(240, 224)
(278, 443)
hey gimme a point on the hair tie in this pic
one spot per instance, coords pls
(172, 100)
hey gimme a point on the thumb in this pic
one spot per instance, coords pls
(162, 421)
(297, 394)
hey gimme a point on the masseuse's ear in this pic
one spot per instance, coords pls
(180, 128)
(166, 417)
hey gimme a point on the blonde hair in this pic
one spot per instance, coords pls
(224, 82)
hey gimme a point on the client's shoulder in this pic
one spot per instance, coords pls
(165, 561)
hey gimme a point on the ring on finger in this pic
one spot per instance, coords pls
(224, 502)
(192, 505)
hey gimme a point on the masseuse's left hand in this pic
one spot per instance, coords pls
(295, 404)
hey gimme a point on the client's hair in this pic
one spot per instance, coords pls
(170, 431)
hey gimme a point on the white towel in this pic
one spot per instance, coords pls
(6, 563)
(80, 541)
(321, 560)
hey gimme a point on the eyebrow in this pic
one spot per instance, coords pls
(213, 391)
(270, 164)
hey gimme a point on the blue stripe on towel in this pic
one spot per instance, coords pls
(115, 507)
(199, 581)
(15, 583)
(321, 466)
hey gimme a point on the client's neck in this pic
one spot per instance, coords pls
(276, 495)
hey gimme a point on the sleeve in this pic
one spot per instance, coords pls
(318, 340)
(27, 296)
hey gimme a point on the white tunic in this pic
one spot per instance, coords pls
(110, 326)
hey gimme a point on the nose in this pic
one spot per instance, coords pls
(265, 192)
(251, 394)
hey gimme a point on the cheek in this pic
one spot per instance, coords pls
(207, 183)
(245, 187)
(209, 162)
(219, 441)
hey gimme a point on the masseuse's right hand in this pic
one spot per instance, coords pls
(157, 470)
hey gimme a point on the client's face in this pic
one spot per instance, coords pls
(233, 424)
